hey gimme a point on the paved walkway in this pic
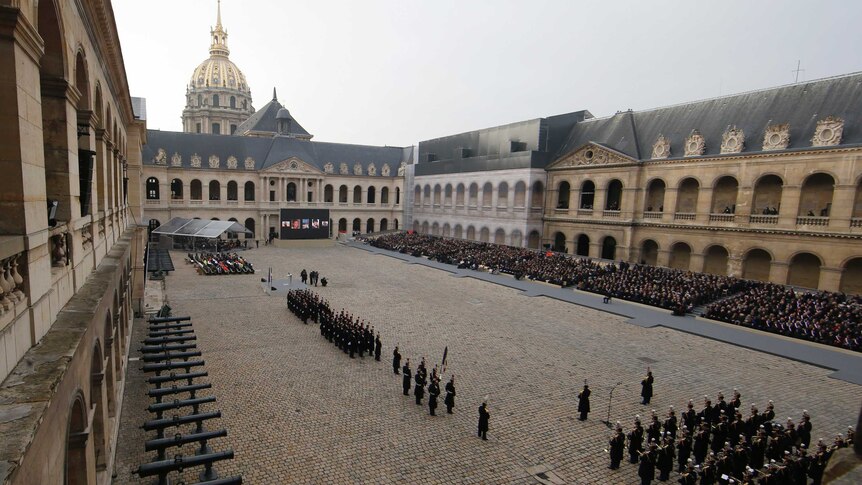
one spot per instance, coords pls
(846, 364)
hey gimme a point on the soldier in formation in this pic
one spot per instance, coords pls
(450, 395)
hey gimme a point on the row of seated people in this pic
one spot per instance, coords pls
(825, 317)
(718, 445)
(220, 263)
(828, 318)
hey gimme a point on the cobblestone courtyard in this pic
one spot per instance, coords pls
(298, 410)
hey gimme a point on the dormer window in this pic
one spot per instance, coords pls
(517, 146)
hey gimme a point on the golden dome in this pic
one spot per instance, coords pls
(218, 71)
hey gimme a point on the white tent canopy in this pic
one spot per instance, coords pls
(179, 226)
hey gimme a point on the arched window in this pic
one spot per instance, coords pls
(384, 224)
(686, 198)
(357, 224)
(215, 190)
(588, 195)
(767, 195)
(500, 236)
(851, 277)
(458, 231)
(232, 191)
(756, 265)
(216, 129)
(96, 382)
(503, 195)
(534, 239)
(437, 195)
(249, 224)
(559, 242)
(614, 195)
(724, 196)
(447, 230)
(609, 248)
(176, 189)
(804, 271)
(327, 193)
(655, 196)
(342, 194)
(233, 101)
(649, 252)
(342, 225)
(447, 195)
(473, 196)
(397, 197)
(196, 189)
(715, 260)
(816, 197)
(384, 195)
(371, 195)
(357, 195)
(249, 191)
(426, 195)
(583, 248)
(680, 256)
(369, 225)
(291, 192)
(215, 100)
(232, 235)
(563, 193)
(152, 188)
(520, 194)
(538, 198)
(459, 196)
(487, 194)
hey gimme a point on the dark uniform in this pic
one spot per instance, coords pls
(646, 388)
(646, 468)
(419, 388)
(378, 347)
(450, 395)
(617, 448)
(433, 392)
(406, 379)
(484, 417)
(396, 360)
(584, 402)
(683, 451)
(636, 438)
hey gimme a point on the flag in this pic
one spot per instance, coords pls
(443, 364)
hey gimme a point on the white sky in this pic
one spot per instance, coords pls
(396, 72)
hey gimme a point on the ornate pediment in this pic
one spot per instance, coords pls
(357, 169)
(328, 168)
(776, 137)
(591, 154)
(733, 140)
(661, 148)
(293, 165)
(231, 162)
(372, 170)
(343, 170)
(249, 163)
(214, 161)
(384, 171)
(695, 144)
(196, 160)
(176, 160)
(828, 132)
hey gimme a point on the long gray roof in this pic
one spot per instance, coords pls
(800, 105)
(267, 152)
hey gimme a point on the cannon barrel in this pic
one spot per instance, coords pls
(176, 377)
(167, 340)
(179, 462)
(168, 319)
(170, 356)
(178, 420)
(179, 439)
(164, 391)
(179, 403)
(172, 365)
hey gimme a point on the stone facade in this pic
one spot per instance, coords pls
(69, 285)
(714, 214)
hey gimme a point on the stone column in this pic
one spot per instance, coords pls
(830, 279)
(778, 272)
(704, 205)
(670, 198)
(695, 262)
(734, 266)
(662, 258)
(841, 212)
(789, 208)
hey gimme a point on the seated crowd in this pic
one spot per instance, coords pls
(220, 263)
(828, 318)
(825, 317)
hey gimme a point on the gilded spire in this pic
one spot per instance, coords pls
(218, 47)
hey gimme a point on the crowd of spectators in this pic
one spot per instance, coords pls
(829, 318)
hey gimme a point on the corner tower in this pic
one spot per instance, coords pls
(218, 98)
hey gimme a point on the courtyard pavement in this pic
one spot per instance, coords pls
(298, 410)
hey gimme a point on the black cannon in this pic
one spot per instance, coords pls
(161, 444)
(170, 356)
(168, 326)
(172, 365)
(161, 407)
(169, 333)
(151, 349)
(168, 340)
(159, 380)
(161, 468)
(159, 425)
(166, 391)
(168, 319)
(222, 481)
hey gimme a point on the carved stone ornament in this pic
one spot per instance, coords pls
(328, 168)
(776, 137)
(733, 140)
(214, 161)
(384, 171)
(249, 163)
(196, 160)
(161, 157)
(828, 132)
(357, 169)
(590, 155)
(294, 165)
(343, 169)
(231, 162)
(401, 169)
(661, 147)
(176, 160)
(695, 145)
(372, 170)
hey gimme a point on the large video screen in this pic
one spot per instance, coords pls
(304, 224)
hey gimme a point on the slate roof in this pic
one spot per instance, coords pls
(800, 105)
(264, 120)
(267, 152)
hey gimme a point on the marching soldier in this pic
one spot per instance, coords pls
(646, 387)
(654, 429)
(617, 447)
(689, 417)
(396, 360)
(450, 395)
(419, 388)
(664, 462)
(407, 377)
(646, 466)
(378, 347)
(670, 425)
(804, 429)
(689, 476)
(584, 402)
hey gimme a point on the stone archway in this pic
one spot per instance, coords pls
(680, 256)
(851, 277)
(756, 265)
(76, 460)
(649, 252)
(715, 260)
(804, 271)
(609, 248)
